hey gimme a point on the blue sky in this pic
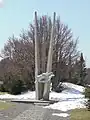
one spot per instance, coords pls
(17, 14)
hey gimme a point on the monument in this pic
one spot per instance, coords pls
(42, 81)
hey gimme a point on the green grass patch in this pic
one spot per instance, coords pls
(80, 114)
(2, 93)
(5, 105)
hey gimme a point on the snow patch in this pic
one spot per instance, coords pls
(67, 105)
(27, 95)
(61, 114)
(65, 95)
(73, 86)
(70, 98)
(71, 91)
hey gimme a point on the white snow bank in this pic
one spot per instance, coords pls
(70, 98)
(67, 105)
(73, 86)
(27, 95)
(65, 96)
(61, 114)
(71, 91)
(7, 96)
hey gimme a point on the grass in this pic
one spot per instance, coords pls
(5, 105)
(80, 114)
(2, 93)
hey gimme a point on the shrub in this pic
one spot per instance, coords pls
(59, 88)
(2, 89)
(15, 83)
(87, 92)
(87, 95)
(13, 86)
(16, 87)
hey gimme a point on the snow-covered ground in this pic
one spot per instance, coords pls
(61, 114)
(70, 98)
(27, 95)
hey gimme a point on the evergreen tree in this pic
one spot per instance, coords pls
(81, 70)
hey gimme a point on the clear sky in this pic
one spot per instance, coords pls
(17, 14)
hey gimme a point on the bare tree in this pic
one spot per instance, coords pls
(63, 46)
(22, 53)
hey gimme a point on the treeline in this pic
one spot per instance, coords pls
(18, 63)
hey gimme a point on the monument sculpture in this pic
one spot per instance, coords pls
(42, 81)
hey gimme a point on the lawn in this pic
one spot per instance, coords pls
(2, 93)
(5, 105)
(80, 114)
